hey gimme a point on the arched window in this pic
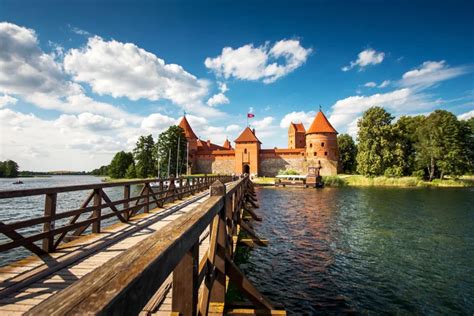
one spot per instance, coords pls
(245, 150)
(311, 145)
(315, 154)
(322, 144)
(325, 153)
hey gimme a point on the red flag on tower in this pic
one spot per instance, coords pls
(250, 115)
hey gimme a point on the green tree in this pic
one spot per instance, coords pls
(347, 152)
(9, 169)
(375, 149)
(119, 164)
(468, 131)
(131, 173)
(441, 146)
(167, 149)
(144, 154)
(405, 138)
(2, 169)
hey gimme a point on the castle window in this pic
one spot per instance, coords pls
(245, 150)
(314, 154)
(322, 144)
(325, 153)
(310, 145)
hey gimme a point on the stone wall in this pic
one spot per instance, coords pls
(203, 165)
(269, 166)
(223, 166)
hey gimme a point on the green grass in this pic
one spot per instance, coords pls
(263, 180)
(358, 180)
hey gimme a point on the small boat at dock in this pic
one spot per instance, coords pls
(18, 182)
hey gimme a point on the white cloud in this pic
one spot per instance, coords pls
(384, 84)
(254, 63)
(466, 116)
(403, 100)
(223, 87)
(157, 121)
(6, 100)
(90, 121)
(233, 128)
(298, 117)
(432, 72)
(79, 31)
(217, 99)
(365, 58)
(370, 84)
(126, 70)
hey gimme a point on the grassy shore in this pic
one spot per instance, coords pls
(358, 180)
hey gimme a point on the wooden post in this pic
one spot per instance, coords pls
(49, 211)
(126, 195)
(147, 198)
(97, 212)
(185, 289)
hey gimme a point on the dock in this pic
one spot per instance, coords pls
(170, 251)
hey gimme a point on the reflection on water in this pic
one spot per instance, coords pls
(366, 250)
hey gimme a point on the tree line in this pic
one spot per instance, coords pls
(424, 146)
(8, 169)
(168, 154)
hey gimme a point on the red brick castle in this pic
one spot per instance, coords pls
(315, 147)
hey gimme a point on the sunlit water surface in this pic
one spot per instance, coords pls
(368, 250)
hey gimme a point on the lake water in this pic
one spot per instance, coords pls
(366, 250)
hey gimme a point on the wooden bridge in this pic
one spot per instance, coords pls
(167, 250)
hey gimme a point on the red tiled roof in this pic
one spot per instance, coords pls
(298, 127)
(203, 145)
(188, 131)
(247, 136)
(227, 144)
(321, 125)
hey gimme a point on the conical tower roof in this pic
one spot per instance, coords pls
(247, 136)
(227, 144)
(188, 131)
(321, 125)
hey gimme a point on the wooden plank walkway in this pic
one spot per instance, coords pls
(30, 281)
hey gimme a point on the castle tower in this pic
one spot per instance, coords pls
(321, 145)
(296, 136)
(192, 142)
(247, 151)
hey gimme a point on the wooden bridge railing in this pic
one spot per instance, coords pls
(65, 225)
(126, 283)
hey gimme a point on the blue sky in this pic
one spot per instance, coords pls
(80, 80)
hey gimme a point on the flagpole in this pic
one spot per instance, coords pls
(187, 158)
(169, 161)
(158, 158)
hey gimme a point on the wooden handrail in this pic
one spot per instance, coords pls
(97, 201)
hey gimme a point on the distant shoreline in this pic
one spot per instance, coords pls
(343, 180)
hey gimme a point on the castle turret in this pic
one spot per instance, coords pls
(296, 135)
(321, 145)
(227, 144)
(192, 142)
(247, 151)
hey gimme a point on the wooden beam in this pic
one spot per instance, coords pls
(49, 211)
(185, 286)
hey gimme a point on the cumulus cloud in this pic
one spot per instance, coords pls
(366, 58)
(370, 84)
(298, 117)
(90, 121)
(6, 100)
(217, 99)
(157, 121)
(466, 116)
(233, 128)
(126, 70)
(432, 72)
(259, 63)
(402, 100)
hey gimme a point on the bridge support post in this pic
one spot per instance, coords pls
(49, 211)
(185, 289)
(97, 212)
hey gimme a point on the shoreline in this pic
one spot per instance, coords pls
(343, 180)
